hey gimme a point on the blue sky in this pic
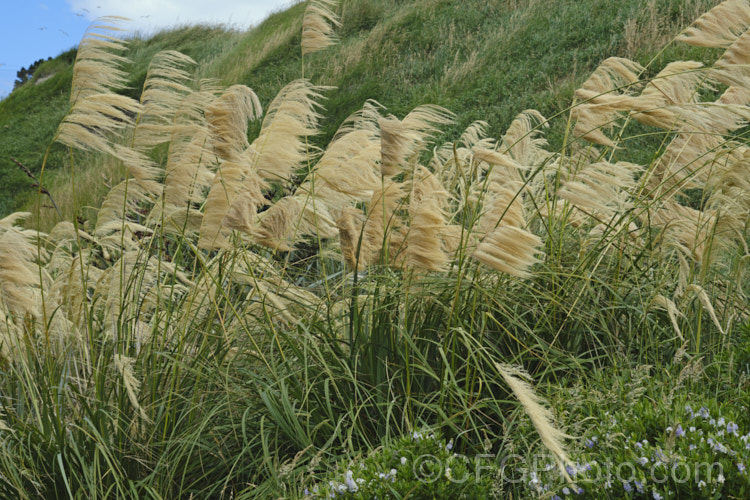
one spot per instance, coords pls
(34, 29)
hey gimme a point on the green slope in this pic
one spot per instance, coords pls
(482, 60)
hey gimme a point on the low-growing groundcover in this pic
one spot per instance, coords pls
(248, 315)
(668, 442)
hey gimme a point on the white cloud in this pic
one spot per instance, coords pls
(149, 15)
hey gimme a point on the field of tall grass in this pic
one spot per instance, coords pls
(249, 314)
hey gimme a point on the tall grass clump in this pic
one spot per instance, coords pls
(242, 310)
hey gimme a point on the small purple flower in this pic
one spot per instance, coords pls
(732, 428)
(741, 467)
(689, 410)
(703, 412)
(579, 491)
(657, 496)
(566, 491)
(589, 443)
(570, 470)
(678, 431)
(626, 486)
(638, 486)
(449, 446)
(349, 481)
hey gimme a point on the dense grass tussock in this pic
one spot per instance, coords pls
(240, 312)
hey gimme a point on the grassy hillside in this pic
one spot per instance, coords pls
(481, 60)
(404, 302)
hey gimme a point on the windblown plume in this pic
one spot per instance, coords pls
(318, 26)
(601, 189)
(114, 214)
(277, 152)
(685, 229)
(188, 171)
(235, 195)
(242, 214)
(165, 88)
(400, 140)
(187, 174)
(450, 160)
(292, 218)
(65, 232)
(677, 84)
(614, 74)
(503, 206)
(228, 117)
(280, 224)
(424, 244)
(383, 230)
(736, 95)
(603, 97)
(141, 168)
(519, 382)
(720, 26)
(705, 302)
(280, 149)
(424, 186)
(124, 366)
(10, 343)
(700, 148)
(510, 250)
(729, 186)
(71, 283)
(121, 200)
(92, 119)
(523, 140)
(347, 171)
(394, 145)
(19, 275)
(97, 66)
(95, 110)
(424, 240)
(661, 302)
(11, 220)
(503, 168)
(686, 163)
(351, 239)
(732, 67)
